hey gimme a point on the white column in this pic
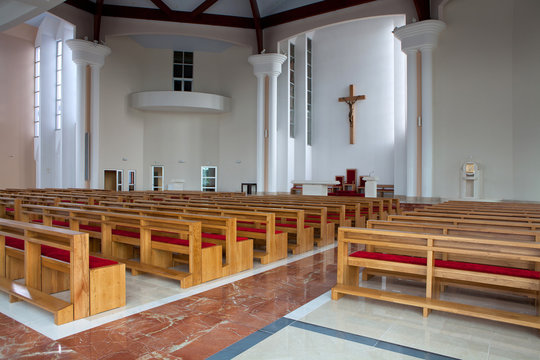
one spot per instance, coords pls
(94, 127)
(93, 54)
(267, 65)
(412, 113)
(427, 121)
(272, 133)
(260, 132)
(421, 36)
(80, 125)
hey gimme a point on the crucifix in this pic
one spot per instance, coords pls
(351, 100)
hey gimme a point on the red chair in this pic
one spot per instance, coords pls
(350, 184)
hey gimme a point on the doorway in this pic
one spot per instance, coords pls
(113, 180)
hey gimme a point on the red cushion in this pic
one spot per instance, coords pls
(60, 223)
(244, 222)
(58, 254)
(458, 265)
(10, 209)
(221, 237)
(14, 243)
(177, 241)
(262, 231)
(65, 201)
(90, 228)
(126, 233)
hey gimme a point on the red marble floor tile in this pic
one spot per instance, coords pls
(191, 328)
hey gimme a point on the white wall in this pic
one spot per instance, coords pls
(182, 142)
(477, 111)
(17, 107)
(359, 53)
(526, 96)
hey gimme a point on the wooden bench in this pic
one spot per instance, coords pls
(301, 235)
(269, 244)
(220, 230)
(52, 260)
(434, 273)
(158, 241)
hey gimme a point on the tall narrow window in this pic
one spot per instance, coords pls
(209, 178)
(183, 71)
(58, 121)
(37, 71)
(309, 94)
(157, 177)
(291, 90)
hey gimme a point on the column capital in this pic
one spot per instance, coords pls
(419, 35)
(267, 64)
(86, 52)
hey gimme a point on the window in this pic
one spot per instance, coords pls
(131, 180)
(183, 71)
(157, 178)
(309, 94)
(58, 121)
(208, 178)
(119, 180)
(291, 90)
(37, 76)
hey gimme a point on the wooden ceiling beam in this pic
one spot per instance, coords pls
(422, 9)
(177, 16)
(318, 8)
(97, 19)
(163, 7)
(85, 5)
(257, 21)
(202, 8)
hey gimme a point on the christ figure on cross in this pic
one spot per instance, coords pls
(351, 100)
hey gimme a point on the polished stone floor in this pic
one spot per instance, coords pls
(281, 311)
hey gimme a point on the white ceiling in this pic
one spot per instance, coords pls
(14, 12)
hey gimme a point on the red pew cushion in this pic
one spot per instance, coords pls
(262, 231)
(177, 241)
(221, 237)
(90, 228)
(458, 265)
(10, 209)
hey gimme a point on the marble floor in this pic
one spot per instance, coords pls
(277, 311)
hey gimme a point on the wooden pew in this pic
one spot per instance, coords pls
(435, 272)
(95, 285)
(220, 230)
(269, 244)
(157, 239)
(303, 239)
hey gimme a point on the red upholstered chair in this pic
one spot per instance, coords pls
(350, 183)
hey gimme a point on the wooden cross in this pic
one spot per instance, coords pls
(350, 100)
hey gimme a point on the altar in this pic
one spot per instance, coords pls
(311, 187)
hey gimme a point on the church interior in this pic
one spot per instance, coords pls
(273, 179)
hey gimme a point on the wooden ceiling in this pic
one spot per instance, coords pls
(198, 15)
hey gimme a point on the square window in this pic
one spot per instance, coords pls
(188, 58)
(188, 71)
(177, 85)
(178, 73)
(187, 85)
(178, 57)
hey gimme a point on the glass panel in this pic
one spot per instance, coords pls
(119, 174)
(36, 129)
(178, 73)
(58, 107)
(36, 114)
(187, 85)
(58, 62)
(309, 97)
(309, 44)
(36, 99)
(292, 90)
(58, 77)
(177, 85)
(38, 53)
(188, 71)
(58, 122)
(178, 57)
(209, 172)
(188, 58)
(209, 182)
(59, 48)
(309, 71)
(36, 84)
(36, 69)
(59, 92)
(309, 85)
